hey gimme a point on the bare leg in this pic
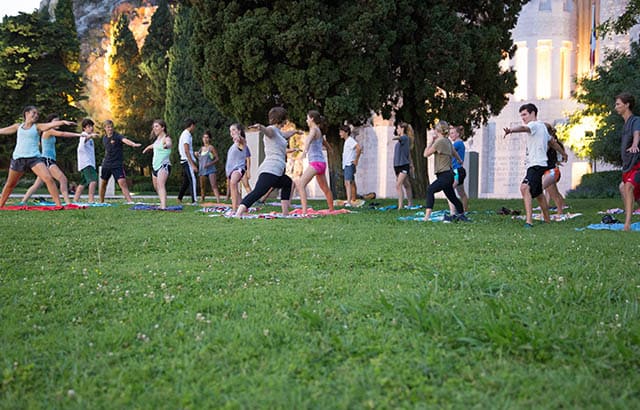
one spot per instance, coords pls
(409, 191)
(203, 186)
(557, 198)
(324, 186)
(214, 186)
(103, 189)
(399, 185)
(284, 204)
(528, 207)
(347, 188)
(628, 205)
(463, 197)
(161, 189)
(12, 181)
(236, 176)
(125, 189)
(79, 189)
(92, 191)
(57, 173)
(32, 189)
(42, 171)
(301, 184)
(544, 206)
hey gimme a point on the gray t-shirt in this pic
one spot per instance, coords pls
(236, 159)
(401, 151)
(275, 153)
(629, 159)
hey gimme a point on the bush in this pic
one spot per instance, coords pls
(597, 185)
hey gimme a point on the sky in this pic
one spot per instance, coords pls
(13, 7)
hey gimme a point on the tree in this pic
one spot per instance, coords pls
(155, 59)
(126, 89)
(34, 70)
(185, 97)
(430, 59)
(618, 73)
(623, 23)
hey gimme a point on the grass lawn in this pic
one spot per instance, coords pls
(111, 308)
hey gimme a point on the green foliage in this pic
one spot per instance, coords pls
(126, 89)
(624, 22)
(142, 309)
(598, 185)
(155, 59)
(618, 73)
(185, 96)
(437, 59)
(65, 21)
(37, 57)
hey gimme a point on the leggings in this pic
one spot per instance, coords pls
(188, 182)
(444, 182)
(266, 181)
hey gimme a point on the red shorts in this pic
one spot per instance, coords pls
(633, 177)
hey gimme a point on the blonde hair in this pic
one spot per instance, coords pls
(408, 129)
(443, 128)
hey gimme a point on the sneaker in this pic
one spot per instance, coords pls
(462, 218)
(528, 225)
(448, 219)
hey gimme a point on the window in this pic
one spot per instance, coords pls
(543, 70)
(522, 72)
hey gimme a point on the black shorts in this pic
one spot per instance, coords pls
(534, 180)
(402, 169)
(118, 173)
(23, 164)
(460, 174)
(166, 167)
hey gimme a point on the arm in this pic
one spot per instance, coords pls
(215, 157)
(307, 142)
(130, 143)
(457, 156)
(634, 144)
(147, 148)
(430, 150)
(64, 134)
(167, 142)
(519, 128)
(53, 124)
(192, 164)
(553, 143)
(11, 129)
(289, 134)
(358, 152)
(248, 162)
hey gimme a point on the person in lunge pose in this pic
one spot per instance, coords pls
(443, 151)
(535, 160)
(630, 153)
(207, 159)
(402, 162)
(113, 162)
(236, 163)
(48, 145)
(312, 148)
(161, 163)
(459, 173)
(26, 154)
(552, 174)
(87, 162)
(271, 171)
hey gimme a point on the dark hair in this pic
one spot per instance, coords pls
(86, 122)
(530, 108)
(345, 128)
(627, 98)
(188, 122)
(28, 108)
(50, 117)
(315, 116)
(240, 128)
(277, 115)
(161, 123)
(207, 133)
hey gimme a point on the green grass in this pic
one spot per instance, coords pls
(110, 308)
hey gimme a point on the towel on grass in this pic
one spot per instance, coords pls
(41, 207)
(611, 227)
(295, 214)
(553, 217)
(436, 216)
(146, 207)
(616, 211)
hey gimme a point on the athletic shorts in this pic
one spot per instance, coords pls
(554, 172)
(89, 175)
(633, 177)
(23, 164)
(49, 162)
(242, 171)
(166, 167)
(402, 169)
(459, 175)
(349, 172)
(117, 173)
(534, 180)
(319, 166)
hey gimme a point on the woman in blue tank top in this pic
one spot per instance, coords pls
(312, 148)
(48, 141)
(26, 154)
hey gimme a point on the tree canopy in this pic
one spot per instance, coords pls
(424, 59)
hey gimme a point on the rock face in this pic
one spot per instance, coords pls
(93, 22)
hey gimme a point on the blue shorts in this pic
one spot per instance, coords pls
(23, 164)
(118, 173)
(349, 172)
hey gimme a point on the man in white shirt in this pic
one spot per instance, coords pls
(536, 161)
(350, 156)
(188, 161)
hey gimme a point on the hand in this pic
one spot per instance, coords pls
(65, 122)
(137, 145)
(506, 131)
(355, 163)
(633, 149)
